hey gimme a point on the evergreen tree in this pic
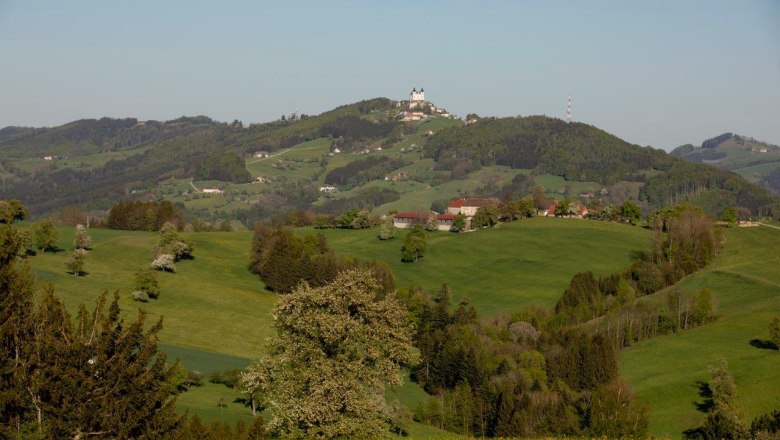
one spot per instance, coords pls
(99, 377)
(16, 326)
(257, 431)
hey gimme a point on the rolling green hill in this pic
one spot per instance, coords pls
(217, 315)
(666, 371)
(756, 161)
(95, 163)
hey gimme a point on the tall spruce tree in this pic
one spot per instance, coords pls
(99, 377)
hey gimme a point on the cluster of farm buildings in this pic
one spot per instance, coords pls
(468, 208)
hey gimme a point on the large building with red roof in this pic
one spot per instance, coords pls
(468, 207)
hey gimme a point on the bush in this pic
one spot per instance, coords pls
(140, 296)
(75, 262)
(164, 262)
(146, 282)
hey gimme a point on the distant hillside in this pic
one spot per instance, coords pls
(756, 161)
(586, 153)
(379, 157)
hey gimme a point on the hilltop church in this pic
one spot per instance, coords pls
(416, 98)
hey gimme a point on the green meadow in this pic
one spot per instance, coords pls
(217, 314)
(519, 264)
(668, 370)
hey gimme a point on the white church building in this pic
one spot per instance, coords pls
(416, 98)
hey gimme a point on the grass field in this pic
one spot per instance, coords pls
(217, 314)
(665, 371)
(522, 263)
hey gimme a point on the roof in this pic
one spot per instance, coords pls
(474, 201)
(424, 216)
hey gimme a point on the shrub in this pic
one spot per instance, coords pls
(164, 262)
(140, 296)
(146, 281)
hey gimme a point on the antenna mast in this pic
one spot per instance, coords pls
(568, 110)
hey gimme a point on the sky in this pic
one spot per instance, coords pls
(660, 73)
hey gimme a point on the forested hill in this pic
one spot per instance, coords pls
(757, 161)
(581, 152)
(116, 158)
(95, 163)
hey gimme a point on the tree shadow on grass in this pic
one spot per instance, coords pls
(705, 392)
(764, 344)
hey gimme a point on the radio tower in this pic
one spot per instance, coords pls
(568, 110)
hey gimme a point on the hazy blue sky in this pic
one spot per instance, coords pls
(658, 73)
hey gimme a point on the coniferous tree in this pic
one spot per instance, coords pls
(97, 377)
(16, 319)
(257, 431)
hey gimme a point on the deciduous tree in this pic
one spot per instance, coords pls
(81, 239)
(414, 245)
(45, 235)
(335, 350)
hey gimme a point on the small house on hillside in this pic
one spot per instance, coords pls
(405, 220)
(550, 210)
(328, 189)
(212, 190)
(468, 207)
(262, 154)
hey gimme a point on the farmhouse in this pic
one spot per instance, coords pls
(262, 154)
(212, 190)
(468, 207)
(405, 220)
(48, 158)
(328, 189)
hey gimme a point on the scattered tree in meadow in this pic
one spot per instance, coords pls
(335, 350)
(81, 240)
(146, 281)
(75, 262)
(164, 262)
(414, 245)
(12, 210)
(724, 420)
(431, 224)
(774, 332)
(45, 235)
(171, 243)
(387, 229)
